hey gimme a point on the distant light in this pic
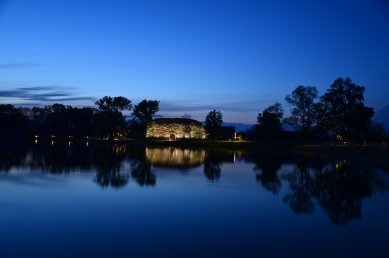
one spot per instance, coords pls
(36, 136)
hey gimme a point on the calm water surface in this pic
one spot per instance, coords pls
(125, 201)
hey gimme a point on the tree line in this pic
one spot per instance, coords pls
(339, 114)
(58, 120)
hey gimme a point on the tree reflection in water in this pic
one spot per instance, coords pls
(212, 165)
(338, 188)
(108, 161)
(341, 189)
(141, 172)
(141, 169)
(266, 170)
(310, 182)
(8, 160)
(302, 186)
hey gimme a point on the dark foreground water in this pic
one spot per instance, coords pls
(122, 201)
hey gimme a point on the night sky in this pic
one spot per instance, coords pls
(193, 56)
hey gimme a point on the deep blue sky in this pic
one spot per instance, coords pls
(194, 56)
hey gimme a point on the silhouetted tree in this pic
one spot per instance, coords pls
(38, 122)
(115, 104)
(343, 110)
(269, 125)
(13, 125)
(377, 133)
(80, 121)
(144, 112)
(213, 122)
(304, 109)
(110, 119)
(57, 120)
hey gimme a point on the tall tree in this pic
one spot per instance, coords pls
(38, 122)
(80, 121)
(213, 122)
(343, 110)
(304, 109)
(13, 125)
(57, 120)
(144, 112)
(110, 119)
(114, 104)
(269, 122)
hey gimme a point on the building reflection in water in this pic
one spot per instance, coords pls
(175, 157)
(303, 182)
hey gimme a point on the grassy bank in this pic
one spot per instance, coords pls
(377, 156)
(215, 145)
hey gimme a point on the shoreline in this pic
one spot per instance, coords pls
(375, 155)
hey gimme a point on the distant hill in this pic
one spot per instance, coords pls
(382, 116)
(239, 127)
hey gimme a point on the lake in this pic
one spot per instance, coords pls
(91, 200)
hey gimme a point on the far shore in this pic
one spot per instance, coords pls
(375, 155)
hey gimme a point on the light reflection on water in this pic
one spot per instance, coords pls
(119, 200)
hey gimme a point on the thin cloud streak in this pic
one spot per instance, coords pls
(43, 94)
(244, 111)
(42, 88)
(241, 106)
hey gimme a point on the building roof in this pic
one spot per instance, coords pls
(185, 121)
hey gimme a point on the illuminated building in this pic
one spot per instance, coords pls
(175, 128)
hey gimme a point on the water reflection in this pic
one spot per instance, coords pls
(212, 165)
(340, 190)
(266, 170)
(175, 157)
(302, 185)
(141, 168)
(303, 182)
(337, 187)
(108, 159)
